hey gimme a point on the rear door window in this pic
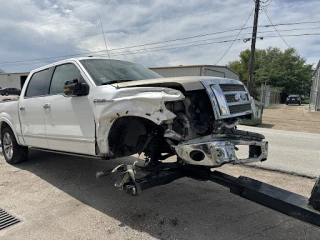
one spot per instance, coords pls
(38, 84)
(62, 74)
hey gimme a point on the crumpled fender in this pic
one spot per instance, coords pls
(144, 102)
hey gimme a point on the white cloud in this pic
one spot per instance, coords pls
(44, 29)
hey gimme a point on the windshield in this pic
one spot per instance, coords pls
(102, 73)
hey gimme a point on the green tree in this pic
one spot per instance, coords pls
(286, 70)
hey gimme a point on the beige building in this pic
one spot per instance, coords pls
(196, 70)
(13, 80)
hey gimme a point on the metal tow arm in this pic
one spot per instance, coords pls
(127, 181)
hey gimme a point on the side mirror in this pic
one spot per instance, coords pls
(74, 88)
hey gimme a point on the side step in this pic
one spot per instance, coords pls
(280, 200)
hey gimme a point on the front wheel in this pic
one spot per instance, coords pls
(12, 151)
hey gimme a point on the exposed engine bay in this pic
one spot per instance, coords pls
(195, 117)
(202, 133)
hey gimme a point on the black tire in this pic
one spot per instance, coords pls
(8, 142)
(7, 94)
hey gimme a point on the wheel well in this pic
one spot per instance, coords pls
(128, 135)
(4, 125)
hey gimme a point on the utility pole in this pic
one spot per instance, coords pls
(253, 44)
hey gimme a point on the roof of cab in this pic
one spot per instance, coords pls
(68, 60)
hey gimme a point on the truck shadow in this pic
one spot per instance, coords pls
(184, 209)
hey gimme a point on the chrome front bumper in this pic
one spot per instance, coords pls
(213, 151)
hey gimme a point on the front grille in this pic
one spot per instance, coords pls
(231, 98)
(232, 87)
(234, 109)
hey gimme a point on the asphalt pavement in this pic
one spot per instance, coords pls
(59, 197)
(293, 152)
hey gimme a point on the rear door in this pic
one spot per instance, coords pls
(70, 125)
(31, 109)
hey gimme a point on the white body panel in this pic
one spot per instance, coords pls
(69, 124)
(82, 124)
(33, 128)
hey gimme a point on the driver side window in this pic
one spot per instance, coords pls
(62, 74)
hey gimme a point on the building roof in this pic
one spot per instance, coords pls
(11, 73)
(189, 66)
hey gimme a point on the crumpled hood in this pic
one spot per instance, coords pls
(188, 83)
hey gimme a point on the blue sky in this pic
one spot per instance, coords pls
(34, 29)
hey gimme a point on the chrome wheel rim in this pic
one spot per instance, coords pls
(7, 145)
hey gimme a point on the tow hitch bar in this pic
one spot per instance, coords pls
(280, 200)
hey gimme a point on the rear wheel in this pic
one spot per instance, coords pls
(12, 151)
(7, 94)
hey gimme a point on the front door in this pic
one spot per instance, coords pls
(70, 125)
(31, 110)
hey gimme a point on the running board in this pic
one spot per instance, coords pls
(280, 200)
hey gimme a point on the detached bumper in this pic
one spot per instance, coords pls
(213, 151)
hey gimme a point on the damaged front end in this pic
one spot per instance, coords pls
(216, 150)
(213, 140)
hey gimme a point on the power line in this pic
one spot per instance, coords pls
(111, 50)
(141, 45)
(294, 23)
(235, 38)
(162, 49)
(192, 45)
(195, 36)
(73, 55)
(264, 10)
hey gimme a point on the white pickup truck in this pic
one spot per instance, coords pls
(110, 108)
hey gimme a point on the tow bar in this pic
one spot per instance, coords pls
(280, 200)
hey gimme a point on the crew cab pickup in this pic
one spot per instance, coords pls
(110, 108)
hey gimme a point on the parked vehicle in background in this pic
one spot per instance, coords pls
(293, 99)
(10, 91)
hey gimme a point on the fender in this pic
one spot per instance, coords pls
(6, 119)
(147, 103)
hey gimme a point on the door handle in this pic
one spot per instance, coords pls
(46, 106)
(22, 108)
